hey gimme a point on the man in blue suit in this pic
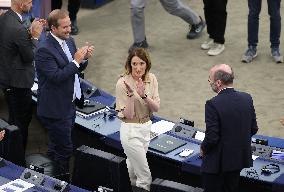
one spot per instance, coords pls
(230, 122)
(58, 63)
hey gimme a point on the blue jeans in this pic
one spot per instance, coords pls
(253, 22)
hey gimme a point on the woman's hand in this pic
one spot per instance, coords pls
(129, 89)
(140, 87)
(128, 111)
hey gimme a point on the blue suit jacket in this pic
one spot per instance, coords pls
(56, 77)
(230, 122)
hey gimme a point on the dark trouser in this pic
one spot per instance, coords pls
(222, 182)
(216, 18)
(19, 102)
(60, 146)
(253, 21)
(73, 7)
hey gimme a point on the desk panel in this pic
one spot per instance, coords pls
(12, 172)
(251, 176)
(272, 141)
(103, 123)
(108, 130)
(256, 173)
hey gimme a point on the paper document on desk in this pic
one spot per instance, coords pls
(161, 127)
(254, 157)
(199, 135)
(17, 185)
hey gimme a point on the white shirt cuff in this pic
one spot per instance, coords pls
(76, 63)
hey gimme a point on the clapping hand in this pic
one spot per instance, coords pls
(37, 27)
(42, 21)
(140, 87)
(90, 50)
(129, 89)
(80, 54)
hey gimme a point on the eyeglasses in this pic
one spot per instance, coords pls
(210, 81)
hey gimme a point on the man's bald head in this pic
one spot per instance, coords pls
(21, 6)
(15, 1)
(223, 67)
(19, 1)
(222, 72)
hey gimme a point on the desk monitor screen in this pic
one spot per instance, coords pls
(166, 144)
(90, 107)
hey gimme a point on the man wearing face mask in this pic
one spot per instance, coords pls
(230, 122)
(16, 63)
(58, 63)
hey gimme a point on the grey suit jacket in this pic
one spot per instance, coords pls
(16, 52)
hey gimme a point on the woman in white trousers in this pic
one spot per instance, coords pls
(137, 98)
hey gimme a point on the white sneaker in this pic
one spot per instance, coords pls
(216, 49)
(207, 44)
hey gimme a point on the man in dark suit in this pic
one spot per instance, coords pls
(230, 122)
(73, 8)
(16, 63)
(57, 64)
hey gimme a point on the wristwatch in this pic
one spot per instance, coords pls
(144, 97)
